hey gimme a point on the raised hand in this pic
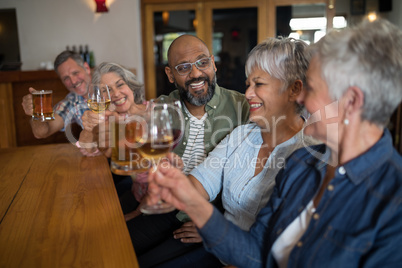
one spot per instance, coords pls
(27, 104)
(170, 184)
(91, 119)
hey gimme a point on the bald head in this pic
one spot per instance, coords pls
(184, 42)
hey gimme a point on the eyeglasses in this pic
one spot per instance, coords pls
(201, 64)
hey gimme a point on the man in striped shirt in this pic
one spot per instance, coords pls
(210, 111)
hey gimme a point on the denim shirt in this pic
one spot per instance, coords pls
(356, 224)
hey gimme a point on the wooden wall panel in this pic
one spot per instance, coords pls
(7, 132)
(16, 129)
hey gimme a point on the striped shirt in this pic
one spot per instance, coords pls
(194, 153)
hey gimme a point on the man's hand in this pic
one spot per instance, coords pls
(187, 233)
(41, 129)
(27, 103)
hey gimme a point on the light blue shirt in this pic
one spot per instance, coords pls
(230, 167)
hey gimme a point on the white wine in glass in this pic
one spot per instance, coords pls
(98, 97)
(156, 142)
(155, 150)
(175, 116)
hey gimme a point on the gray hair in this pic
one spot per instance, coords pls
(128, 77)
(369, 57)
(283, 58)
(64, 56)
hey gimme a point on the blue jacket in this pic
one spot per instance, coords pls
(357, 223)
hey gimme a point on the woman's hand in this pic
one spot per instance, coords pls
(187, 233)
(131, 215)
(175, 188)
(87, 145)
(90, 119)
(174, 160)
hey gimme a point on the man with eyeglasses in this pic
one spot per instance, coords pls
(210, 112)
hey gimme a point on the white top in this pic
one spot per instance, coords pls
(194, 153)
(291, 235)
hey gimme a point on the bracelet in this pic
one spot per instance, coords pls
(79, 146)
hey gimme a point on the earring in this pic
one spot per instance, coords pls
(346, 121)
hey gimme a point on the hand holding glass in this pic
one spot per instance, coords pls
(98, 97)
(126, 160)
(157, 140)
(42, 105)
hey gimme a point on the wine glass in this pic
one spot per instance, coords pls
(175, 116)
(157, 141)
(98, 97)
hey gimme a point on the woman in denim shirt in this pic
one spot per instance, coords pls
(334, 205)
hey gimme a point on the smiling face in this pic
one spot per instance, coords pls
(198, 86)
(323, 123)
(120, 93)
(267, 102)
(74, 77)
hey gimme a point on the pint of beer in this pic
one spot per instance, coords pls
(126, 160)
(42, 105)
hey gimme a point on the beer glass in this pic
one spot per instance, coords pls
(126, 159)
(98, 97)
(42, 105)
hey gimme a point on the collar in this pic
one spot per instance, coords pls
(362, 166)
(214, 102)
(78, 98)
(192, 117)
(211, 105)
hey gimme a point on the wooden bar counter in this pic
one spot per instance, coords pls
(60, 209)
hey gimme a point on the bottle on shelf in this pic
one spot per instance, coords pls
(86, 55)
(81, 51)
(91, 59)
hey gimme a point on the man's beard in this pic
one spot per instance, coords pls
(195, 99)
